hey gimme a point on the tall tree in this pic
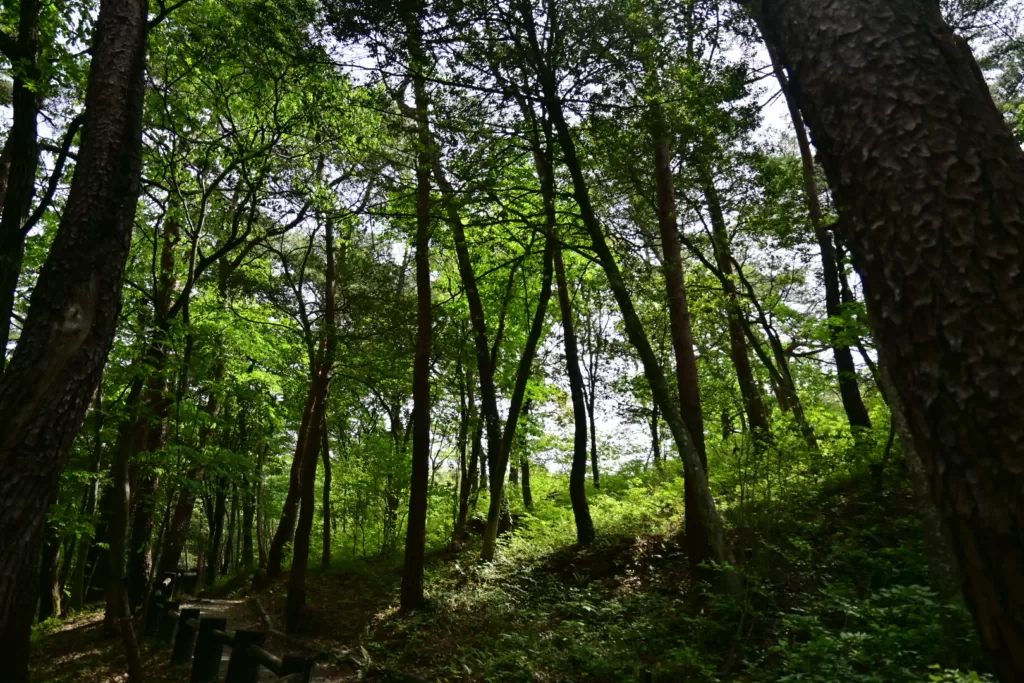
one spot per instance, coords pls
(47, 388)
(930, 184)
(416, 529)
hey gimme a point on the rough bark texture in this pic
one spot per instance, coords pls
(47, 388)
(930, 185)
(416, 529)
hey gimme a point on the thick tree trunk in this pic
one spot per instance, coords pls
(930, 184)
(687, 380)
(325, 450)
(73, 310)
(416, 529)
(633, 326)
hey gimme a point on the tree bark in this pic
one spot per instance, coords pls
(261, 538)
(77, 597)
(21, 178)
(416, 529)
(325, 558)
(49, 583)
(216, 549)
(846, 370)
(578, 473)
(930, 185)
(631, 321)
(687, 380)
(499, 462)
(753, 402)
(319, 392)
(47, 388)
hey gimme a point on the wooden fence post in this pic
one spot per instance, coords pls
(206, 659)
(165, 629)
(243, 668)
(153, 615)
(297, 664)
(185, 638)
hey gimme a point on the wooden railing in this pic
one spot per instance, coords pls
(191, 636)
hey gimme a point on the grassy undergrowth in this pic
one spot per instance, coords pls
(837, 590)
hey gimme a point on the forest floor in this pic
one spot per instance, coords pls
(836, 591)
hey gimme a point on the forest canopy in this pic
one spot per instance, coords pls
(531, 340)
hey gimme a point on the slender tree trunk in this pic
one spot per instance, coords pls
(753, 402)
(289, 514)
(846, 370)
(296, 599)
(578, 473)
(655, 427)
(595, 473)
(248, 509)
(21, 178)
(319, 392)
(229, 547)
(213, 557)
(930, 185)
(631, 321)
(499, 463)
(261, 537)
(679, 321)
(470, 481)
(49, 584)
(325, 558)
(416, 529)
(77, 598)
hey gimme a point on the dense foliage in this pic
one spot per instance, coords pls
(566, 158)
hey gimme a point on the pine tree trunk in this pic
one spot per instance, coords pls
(319, 392)
(929, 183)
